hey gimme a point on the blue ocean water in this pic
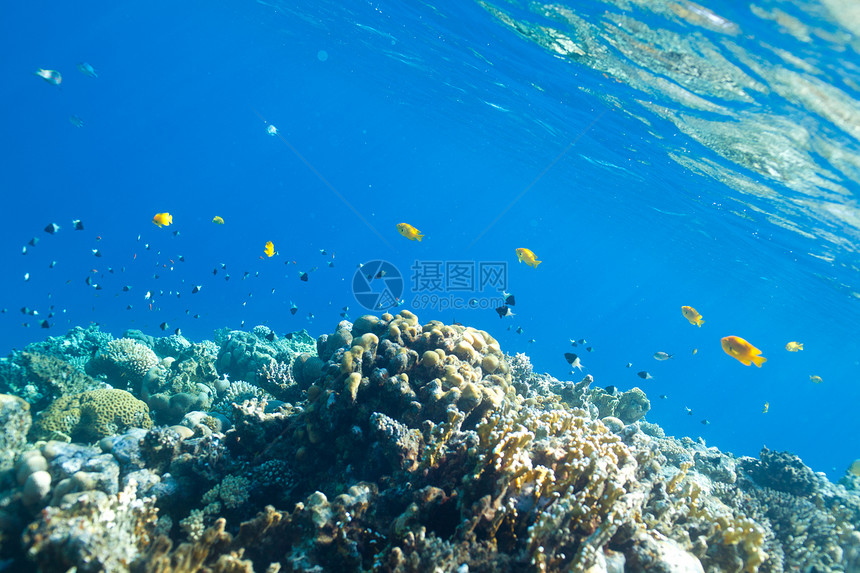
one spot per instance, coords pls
(652, 156)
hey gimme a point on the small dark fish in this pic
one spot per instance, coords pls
(705, 422)
(589, 348)
(126, 288)
(473, 302)
(196, 289)
(323, 252)
(223, 265)
(181, 258)
(573, 360)
(331, 263)
(532, 341)
(45, 324)
(663, 396)
(311, 316)
(519, 330)
(504, 311)
(52, 228)
(303, 277)
(242, 324)
(97, 286)
(345, 309)
(110, 270)
(175, 233)
(629, 365)
(78, 225)
(25, 324)
(288, 336)
(271, 336)
(89, 281)
(688, 410)
(97, 252)
(380, 274)
(215, 272)
(293, 308)
(227, 277)
(196, 316)
(611, 390)
(178, 332)
(156, 276)
(129, 307)
(28, 310)
(345, 315)
(644, 375)
(509, 299)
(163, 326)
(33, 241)
(4, 310)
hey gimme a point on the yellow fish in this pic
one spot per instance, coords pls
(816, 379)
(692, 315)
(409, 232)
(766, 408)
(854, 468)
(794, 346)
(218, 220)
(270, 249)
(162, 219)
(528, 257)
(742, 351)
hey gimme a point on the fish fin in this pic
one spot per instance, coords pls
(418, 237)
(537, 263)
(758, 360)
(700, 322)
(800, 347)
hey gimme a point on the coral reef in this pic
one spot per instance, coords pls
(124, 362)
(391, 446)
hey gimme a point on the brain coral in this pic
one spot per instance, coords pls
(90, 416)
(123, 359)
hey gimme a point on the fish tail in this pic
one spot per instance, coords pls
(700, 322)
(758, 360)
(418, 237)
(537, 263)
(800, 347)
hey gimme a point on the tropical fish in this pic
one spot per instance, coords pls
(692, 315)
(509, 299)
(705, 422)
(51, 76)
(87, 70)
(51, 229)
(162, 219)
(644, 375)
(742, 351)
(527, 257)
(293, 308)
(663, 396)
(794, 346)
(816, 379)
(573, 360)
(662, 356)
(196, 289)
(519, 330)
(504, 311)
(409, 232)
(854, 468)
(270, 249)
(78, 225)
(766, 408)
(629, 365)
(218, 220)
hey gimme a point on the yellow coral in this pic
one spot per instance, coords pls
(92, 415)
